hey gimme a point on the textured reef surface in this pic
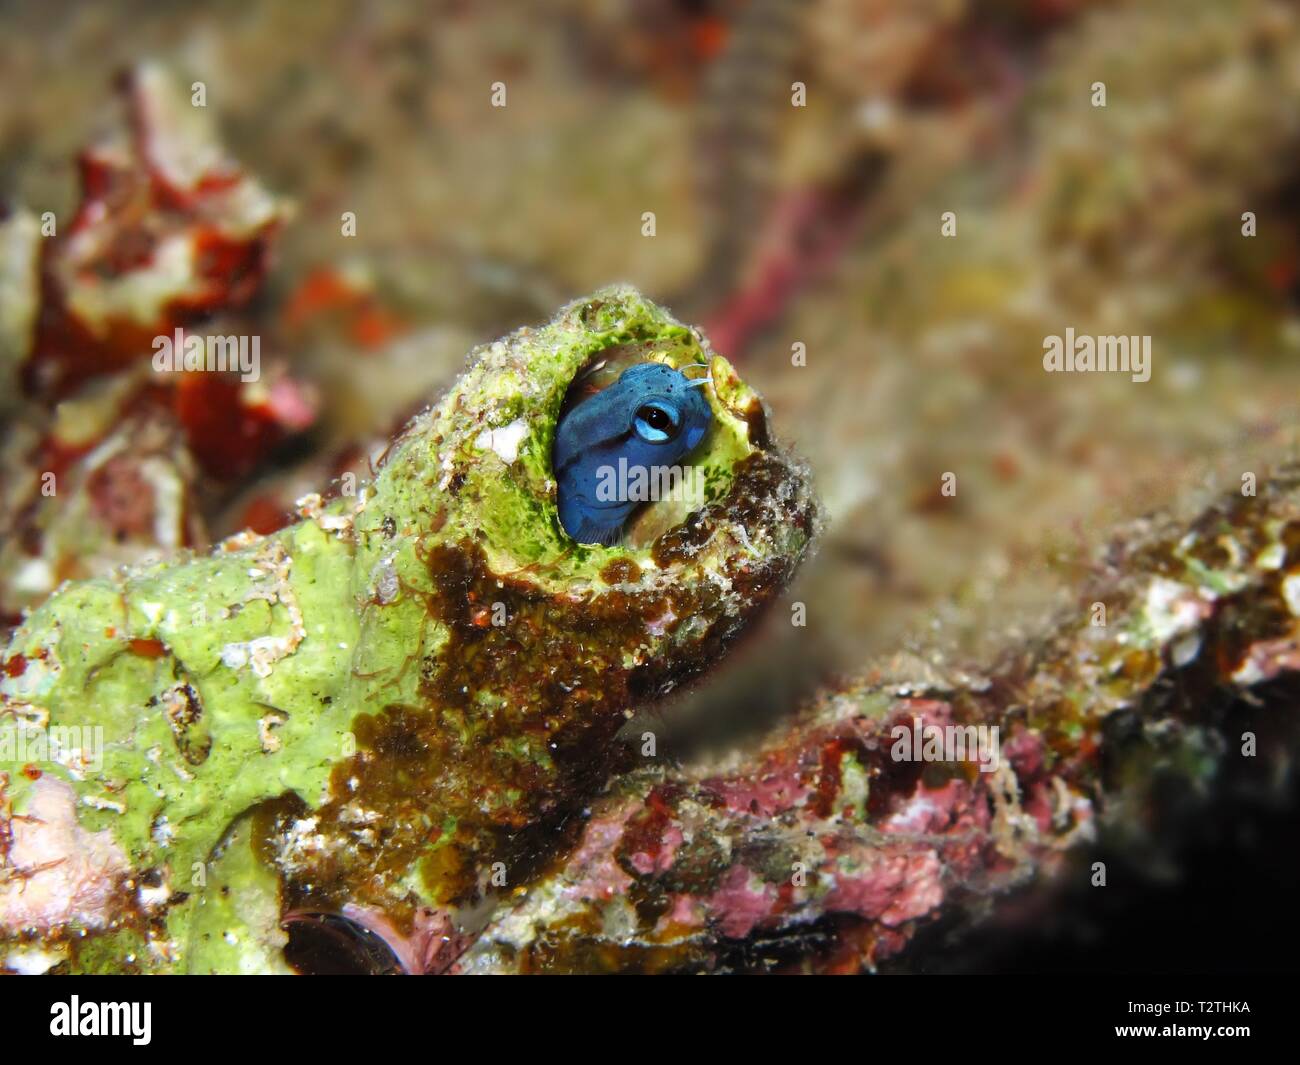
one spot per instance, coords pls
(385, 715)
(824, 851)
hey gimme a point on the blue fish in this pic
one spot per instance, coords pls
(652, 416)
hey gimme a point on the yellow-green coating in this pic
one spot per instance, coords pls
(373, 707)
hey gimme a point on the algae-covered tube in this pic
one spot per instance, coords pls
(387, 713)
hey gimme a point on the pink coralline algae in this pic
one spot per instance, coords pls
(828, 849)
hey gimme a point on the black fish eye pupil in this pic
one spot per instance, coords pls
(656, 418)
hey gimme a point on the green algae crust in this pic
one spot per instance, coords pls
(330, 716)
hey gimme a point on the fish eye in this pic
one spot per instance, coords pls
(655, 423)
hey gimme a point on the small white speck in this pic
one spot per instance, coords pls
(504, 441)
(1291, 593)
